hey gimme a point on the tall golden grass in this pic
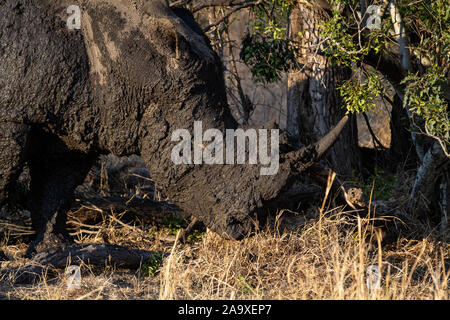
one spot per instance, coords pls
(319, 261)
(320, 255)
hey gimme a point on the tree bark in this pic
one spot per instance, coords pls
(424, 198)
(314, 103)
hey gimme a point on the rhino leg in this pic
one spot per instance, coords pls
(13, 138)
(56, 170)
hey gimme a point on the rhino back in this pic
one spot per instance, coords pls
(150, 72)
(128, 77)
(44, 66)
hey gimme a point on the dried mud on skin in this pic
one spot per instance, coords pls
(123, 83)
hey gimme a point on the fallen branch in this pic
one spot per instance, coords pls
(145, 208)
(91, 254)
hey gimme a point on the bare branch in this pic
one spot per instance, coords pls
(374, 137)
(202, 4)
(226, 16)
(180, 3)
(384, 7)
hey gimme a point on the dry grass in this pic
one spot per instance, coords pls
(318, 263)
(323, 260)
(321, 254)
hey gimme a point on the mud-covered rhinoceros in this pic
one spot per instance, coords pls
(134, 72)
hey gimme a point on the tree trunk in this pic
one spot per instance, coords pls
(424, 198)
(314, 104)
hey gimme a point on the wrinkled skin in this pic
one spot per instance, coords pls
(134, 73)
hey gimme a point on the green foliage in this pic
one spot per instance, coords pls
(359, 97)
(268, 52)
(425, 98)
(195, 236)
(428, 26)
(173, 223)
(266, 58)
(265, 47)
(429, 21)
(382, 183)
(345, 47)
(270, 18)
(152, 265)
(340, 45)
(245, 286)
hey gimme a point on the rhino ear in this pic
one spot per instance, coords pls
(174, 32)
(163, 36)
(188, 18)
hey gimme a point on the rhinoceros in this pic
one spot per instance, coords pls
(124, 81)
